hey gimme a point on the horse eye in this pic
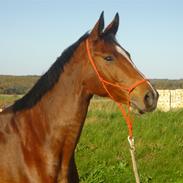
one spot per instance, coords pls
(108, 58)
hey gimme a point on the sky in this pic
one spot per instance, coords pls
(33, 33)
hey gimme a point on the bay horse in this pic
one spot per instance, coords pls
(40, 131)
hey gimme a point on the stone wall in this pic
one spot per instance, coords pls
(170, 99)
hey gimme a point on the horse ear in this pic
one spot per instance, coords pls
(112, 28)
(98, 28)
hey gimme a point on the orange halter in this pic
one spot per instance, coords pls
(104, 82)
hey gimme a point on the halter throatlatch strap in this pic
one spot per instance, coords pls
(125, 113)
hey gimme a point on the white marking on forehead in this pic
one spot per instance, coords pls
(120, 50)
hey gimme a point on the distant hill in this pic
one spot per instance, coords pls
(21, 84)
(167, 84)
(16, 84)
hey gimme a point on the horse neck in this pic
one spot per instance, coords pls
(65, 105)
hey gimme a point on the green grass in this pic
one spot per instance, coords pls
(6, 100)
(102, 154)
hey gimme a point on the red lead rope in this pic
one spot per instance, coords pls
(126, 114)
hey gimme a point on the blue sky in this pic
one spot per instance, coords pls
(33, 33)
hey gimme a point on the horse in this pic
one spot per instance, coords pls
(40, 131)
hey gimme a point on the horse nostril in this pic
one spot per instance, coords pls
(149, 99)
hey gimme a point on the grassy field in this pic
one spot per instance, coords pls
(102, 154)
(6, 100)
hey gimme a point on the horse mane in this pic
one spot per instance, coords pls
(48, 80)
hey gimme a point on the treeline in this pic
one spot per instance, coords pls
(19, 85)
(164, 84)
(16, 85)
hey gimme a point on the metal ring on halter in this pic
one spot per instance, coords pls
(131, 142)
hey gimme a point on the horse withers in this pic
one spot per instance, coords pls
(39, 132)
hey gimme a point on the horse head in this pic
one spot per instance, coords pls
(112, 73)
